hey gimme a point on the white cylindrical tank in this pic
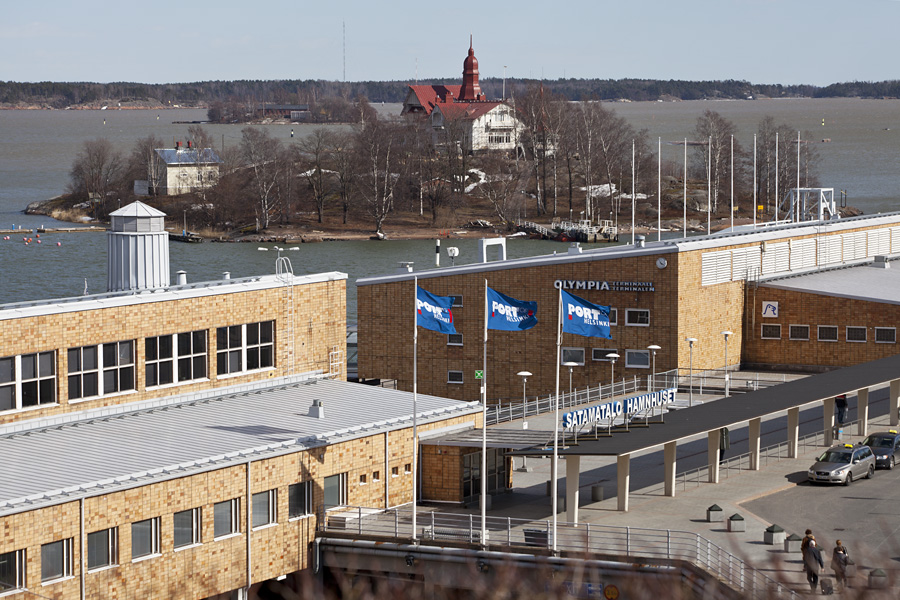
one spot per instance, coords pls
(137, 249)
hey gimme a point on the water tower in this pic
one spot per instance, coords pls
(137, 249)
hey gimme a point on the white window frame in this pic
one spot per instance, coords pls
(154, 539)
(599, 354)
(762, 331)
(395, 471)
(242, 350)
(111, 547)
(196, 528)
(123, 365)
(341, 479)
(189, 356)
(451, 374)
(264, 509)
(629, 354)
(613, 316)
(819, 333)
(66, 561)
(571, 350)
(234, 512)
(407, 468)
(856, 327)
(18, 556)
(799, 339)
(631, 311)
(452, 337)
(306, 500)
(363, 479)
(17, 381)
(893, 331)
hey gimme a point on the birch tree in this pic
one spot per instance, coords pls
(262, 157)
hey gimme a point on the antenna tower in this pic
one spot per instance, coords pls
(344, 44)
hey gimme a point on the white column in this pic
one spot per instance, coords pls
(894, 403)
(573, 473)
(862, 411)
(623, 479)
(712, 455)
(669, 460)
(828, 419)
(793, 432)
(754, 428)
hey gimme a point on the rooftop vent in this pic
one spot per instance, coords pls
(405, 267)
(317, 411)
(639, 241)
(881, 262)
(575, 248)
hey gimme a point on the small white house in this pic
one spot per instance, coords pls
(477, 126)
(182, 170)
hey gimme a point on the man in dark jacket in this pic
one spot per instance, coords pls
(812, 562)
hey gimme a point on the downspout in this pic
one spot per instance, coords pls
(249, 531)
(387, 473)
(82, 549)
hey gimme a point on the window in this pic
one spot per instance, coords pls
(27, 380)
(12, 571)
(248, 347)
(637, 317)
(336, 490)
(362, 479)
(856, 334)
(798, 332)
(457, 301)
(885, 335)
(600, 353)
(182, 356)
(263, 507)
(85, 369)
(103, 548)
(376, 476)
(145, 538)
(637, 359)
(395, 471)
(575, 355)
(407, 468)
(454, 377)
(828, 333)
(613, 316)
(300, 500)
(771, 332)
(454, 339)
(186, 529)
(56, 560)
(226, 518)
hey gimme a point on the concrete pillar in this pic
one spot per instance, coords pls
(894, 402)
(828, 420)
(862, 411)
(573, 473)
(712, 454)
(669, 460)
(754, 430)
(793, 431)
(623, 480)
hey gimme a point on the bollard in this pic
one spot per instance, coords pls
(714, 513)
(792, 543)
(736, 523)
(773, 535)
(878, 579)
(597, 493)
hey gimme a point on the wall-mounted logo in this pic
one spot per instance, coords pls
(770, 309)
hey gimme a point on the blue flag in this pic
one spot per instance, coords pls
(433, 312)
(508, 313)
(584, 318)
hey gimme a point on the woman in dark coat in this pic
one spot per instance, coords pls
(839, 559)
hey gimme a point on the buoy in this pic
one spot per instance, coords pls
(59, 243)
(37, 235)
(39, 241)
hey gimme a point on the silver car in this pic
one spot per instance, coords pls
(842, 464)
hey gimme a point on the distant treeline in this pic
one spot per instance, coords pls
(61, 95)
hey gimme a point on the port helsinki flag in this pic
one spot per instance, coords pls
(433, 312)
(584, 318)
(509, 314)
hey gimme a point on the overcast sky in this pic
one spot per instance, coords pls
(762, 41)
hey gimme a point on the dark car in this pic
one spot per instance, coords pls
(885, 445)
(842, 464)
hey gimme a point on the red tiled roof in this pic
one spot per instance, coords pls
(467, 110)
(431, 95)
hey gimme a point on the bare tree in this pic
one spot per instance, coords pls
(500, 187)
(145, 163)
(263, 158)
(718, 131)
(200, 137)
(314, 154)
(343, 161)
(96, 173)
(377, 142)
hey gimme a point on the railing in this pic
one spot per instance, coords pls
(582, 538)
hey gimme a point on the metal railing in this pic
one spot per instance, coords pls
(582, 538)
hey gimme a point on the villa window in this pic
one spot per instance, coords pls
(27, 380)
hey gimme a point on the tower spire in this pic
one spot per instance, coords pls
(470, 91)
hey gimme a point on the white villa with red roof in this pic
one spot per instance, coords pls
(463, 112)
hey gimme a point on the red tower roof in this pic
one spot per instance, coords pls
(470, 90)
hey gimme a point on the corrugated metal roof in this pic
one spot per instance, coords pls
(858, 282)
(188, 156)
(49, 465)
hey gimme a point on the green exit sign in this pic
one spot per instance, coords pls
(479, 374)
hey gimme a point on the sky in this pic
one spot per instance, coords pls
(762, 41)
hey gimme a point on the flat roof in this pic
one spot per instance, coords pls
(857, 282)
(53, 463)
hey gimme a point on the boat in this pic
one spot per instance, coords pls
(185, 236)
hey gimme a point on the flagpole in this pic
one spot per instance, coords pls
(484, 425)
(415, 398)
(554, 467)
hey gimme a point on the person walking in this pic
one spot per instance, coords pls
(840, 403)
(724, 443)
(804, 544)
(812, 563)
(840, 557)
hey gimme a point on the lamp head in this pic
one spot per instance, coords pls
(690, 341)
(524, 373)
(653, 347)
(726, 334)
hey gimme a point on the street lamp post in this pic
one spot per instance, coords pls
(524, 375)
(612, 356)
(726, 334)
(690, 342)
(653, 348)
(570, 364)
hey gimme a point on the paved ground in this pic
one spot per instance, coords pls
(865, 515)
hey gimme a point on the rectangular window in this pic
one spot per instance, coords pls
(27, 380)
(637, 359)
(856, 334)
(771, 332)
(407, 468)
(798, 332)
(175, 357)
(249, 347)
(145, 538)
(118, 367)
(300, 499)
(885, 335)
(454, 339)
(362, 479)
(376, 476)
(186, 529)
(599, 354)
(613, 316)
(637, 317)
(575, 355)
(12, 571)
(56, 560)
(103, 548)
(457, 302)
(263, 508)
(89, 376)
(336, 490)
(454, 377)
(395, 471)
(226, 517)
(828, 333)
